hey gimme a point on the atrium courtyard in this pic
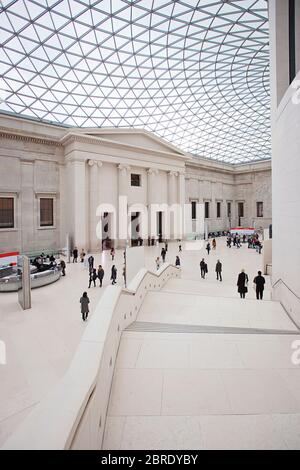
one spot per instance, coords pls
(158, 140)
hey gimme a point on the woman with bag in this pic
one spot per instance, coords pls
(242, 284)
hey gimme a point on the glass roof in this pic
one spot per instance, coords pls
(193, 72)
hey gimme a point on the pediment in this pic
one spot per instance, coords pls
(141, 139)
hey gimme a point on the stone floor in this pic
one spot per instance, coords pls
(41, 342)
(192, 390)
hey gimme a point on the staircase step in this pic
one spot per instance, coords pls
(152, 327)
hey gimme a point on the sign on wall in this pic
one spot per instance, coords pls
(10, 258)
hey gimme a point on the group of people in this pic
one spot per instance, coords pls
(75, 255)
(163, 255)
(44, 262)
(209, 246)
(204, 269)
(235, 240)
(252, 240)
(259, 283)
(242, 281)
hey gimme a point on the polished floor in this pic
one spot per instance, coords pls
(41, 342)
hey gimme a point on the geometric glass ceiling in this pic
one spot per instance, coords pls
(193, 72)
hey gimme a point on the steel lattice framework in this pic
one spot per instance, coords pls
(193, 72)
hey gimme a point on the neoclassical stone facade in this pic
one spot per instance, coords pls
(78, 169)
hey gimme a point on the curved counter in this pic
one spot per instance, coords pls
(38, 279)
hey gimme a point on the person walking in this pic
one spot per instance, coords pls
(180, 248)
(214, 244)
(93, 277)
(177, 261)
(242, 284)
(157, 262)
(203, 268)
(259, 247)
(166, 246)
(259, 282)
(208, 248)
(82, 255)
(91, 263)
(112, 254)
(113, 276)
(100, 274)
(75, 254)
(163, 254)
(63, 267)
(84, 301)
(219, 270)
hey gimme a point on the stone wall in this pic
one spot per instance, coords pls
(80, 170)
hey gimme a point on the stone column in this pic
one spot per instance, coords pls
(94, 201)
(172, 190)
(152, 222)
(123, 205)
(79, 204)
(28, 217)
(181, 199)
(173, 212)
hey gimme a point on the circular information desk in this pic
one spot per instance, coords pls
(12, 282)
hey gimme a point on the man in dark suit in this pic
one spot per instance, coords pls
(259, 281)
(219, 270)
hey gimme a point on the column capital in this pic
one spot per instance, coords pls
(152, 171)
(123, 167)
(173, 173)
(94, 163)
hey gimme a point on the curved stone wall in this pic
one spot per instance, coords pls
(286, 202)
(73, 414)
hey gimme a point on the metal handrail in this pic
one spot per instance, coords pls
(282, 282)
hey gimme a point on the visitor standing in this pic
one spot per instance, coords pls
(259, 282)
(208, 248)
(100, 274)
(75, 254)
(157, 262)
(112, 254)
(242, 284)
(84, 301)
(219, 270)
(163, 254)
(214, 244)
(91, 263)
(63, 267)
(82, 255)
(113, 276)
(203, 268)
(93, 277)
(177, 261)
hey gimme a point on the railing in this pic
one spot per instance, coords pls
(289, 300)
(73, 414)
(281, 281)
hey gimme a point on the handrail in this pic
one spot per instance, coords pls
(282, 282)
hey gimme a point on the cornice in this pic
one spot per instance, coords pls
(28, 137)
(251, 167)
(86, 139)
